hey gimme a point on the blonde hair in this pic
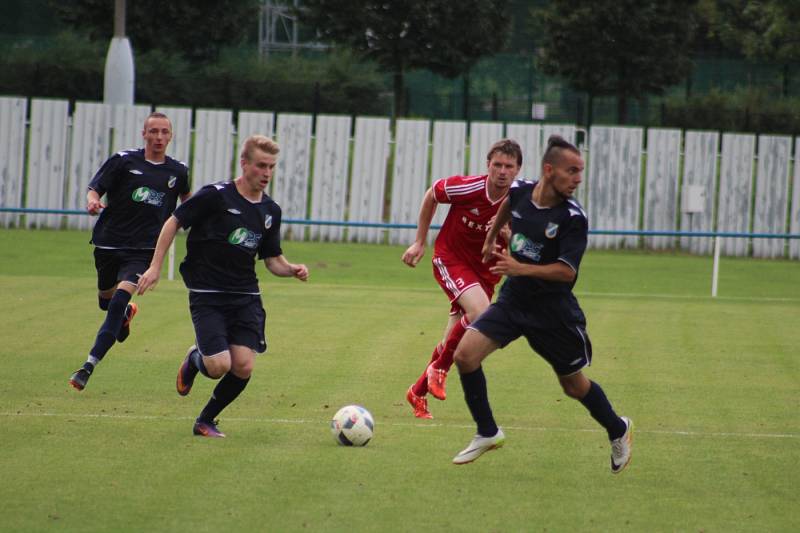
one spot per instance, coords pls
(259, 142)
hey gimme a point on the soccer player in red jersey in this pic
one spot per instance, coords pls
(457, 258)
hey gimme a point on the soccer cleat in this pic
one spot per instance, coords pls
(125, 330)
(621, 448)
(186, 374)
(479, 446)
(436, 381)
(205, 428)
(419, 403)
(79, 378)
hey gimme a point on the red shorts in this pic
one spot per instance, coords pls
(455, 277)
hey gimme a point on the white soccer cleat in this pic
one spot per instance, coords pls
(621, 448)
(479, 446)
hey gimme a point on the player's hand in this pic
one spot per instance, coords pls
(300, 272)
(488, 250)
(505, 233)
(413, 254)
(94, 207)
(506, 265)
(148, 280)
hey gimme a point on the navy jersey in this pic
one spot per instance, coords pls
(543, 236)
(140, 196)
(226, 233)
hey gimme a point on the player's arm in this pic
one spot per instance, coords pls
(279, 266)
(149, 279)
(508, 266)
(185, 196)
(499, 221)
(416, 251)
(93, 203)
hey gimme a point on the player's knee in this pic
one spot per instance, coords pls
(217, 365)
(573, 388)
(243, 369)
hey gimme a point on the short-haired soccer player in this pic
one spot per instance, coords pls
(549, 236)
(142, 188)
(230, 224)
(457, 266)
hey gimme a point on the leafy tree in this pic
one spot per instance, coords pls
(622, 48)
(196, 29)
(769, 29)
(443, 36)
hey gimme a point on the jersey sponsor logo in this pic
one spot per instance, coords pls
(172, 181)
(134, 171)
(268, 221)
(551, 230)
(244, 237)
(148, 196)
(520, 245)
(474, 225)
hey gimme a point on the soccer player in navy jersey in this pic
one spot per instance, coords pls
(142, 188)
(457, 266)
(230, 224)
(549, 236)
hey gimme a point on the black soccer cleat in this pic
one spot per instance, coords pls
(125, 330)
(186, 373)
(204, 428)
(79, 378)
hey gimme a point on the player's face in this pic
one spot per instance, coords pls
(257, 170)
(567, 173)
(503, 168)
(157, 134)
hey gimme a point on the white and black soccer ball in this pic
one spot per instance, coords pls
(352, 425)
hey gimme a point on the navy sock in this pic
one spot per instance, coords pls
(103, 302)
(196, 360)
(227, 390)
(477, 397)
(600, 409)
(107, 335)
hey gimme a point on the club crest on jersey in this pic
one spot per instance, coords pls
(244, 237)
(268, 221)
(148, 196)
(172, 181)
(551, 230)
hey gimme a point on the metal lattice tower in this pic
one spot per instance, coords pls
(278, 28)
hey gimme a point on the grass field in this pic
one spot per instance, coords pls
(713, 386)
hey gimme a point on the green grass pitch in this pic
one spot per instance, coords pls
(713, 386)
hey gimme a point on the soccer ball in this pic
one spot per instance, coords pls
(352, 426)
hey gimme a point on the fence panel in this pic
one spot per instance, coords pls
(254, 123)
(290, 184)
(794, 224)
(736, 186)
(614, 183)
(368, 181)
(213, 147)
(47, 160)
(179, 147)
(127, 124)
(88, 150)
(661, 184)
(449, 142)
(12, 155)
(329, 190)
(529, 137)
(482, 135)
(409, 176)
(699, 177)
(772, 193)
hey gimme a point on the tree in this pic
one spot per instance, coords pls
(624, 48)
(195, 29)
(443, 36)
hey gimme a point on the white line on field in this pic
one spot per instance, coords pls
(410, 424)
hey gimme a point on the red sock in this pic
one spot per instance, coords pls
(420, 388)
(445, 359)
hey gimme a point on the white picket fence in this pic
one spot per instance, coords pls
(338, 169)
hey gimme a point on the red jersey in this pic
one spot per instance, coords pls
(464, 230)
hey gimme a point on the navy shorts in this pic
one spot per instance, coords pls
(115, 265)
(554, 327)
(221, 319)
